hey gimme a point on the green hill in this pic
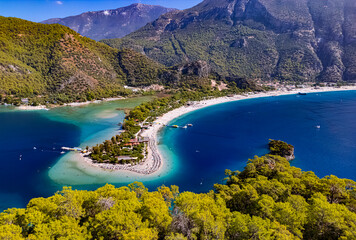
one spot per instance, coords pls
(297, 40)
(53, 60)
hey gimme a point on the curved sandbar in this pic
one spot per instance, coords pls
(155, 160)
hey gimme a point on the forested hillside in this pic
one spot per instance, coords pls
(54, 64)
(298, 40)
(53, 60)
(40, 59)
(268, 200)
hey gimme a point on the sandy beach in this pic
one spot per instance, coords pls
(30, 108)
(74, 104)
(154, 162)
(77, 104)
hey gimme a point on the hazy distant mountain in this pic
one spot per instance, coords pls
(112, 23)
(257, 39)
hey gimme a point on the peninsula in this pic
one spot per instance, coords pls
(154, 161)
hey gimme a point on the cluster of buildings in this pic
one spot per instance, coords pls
(137, 141)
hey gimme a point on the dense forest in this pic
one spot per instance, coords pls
(269, 199)
(38, 59)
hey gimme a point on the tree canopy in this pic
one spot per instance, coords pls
(269, 199)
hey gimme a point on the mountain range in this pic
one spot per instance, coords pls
(289, 40)
(234, 40)
(114, 23)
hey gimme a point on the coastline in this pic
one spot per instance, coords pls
(155, 161)
(73, 104)
(77, 104)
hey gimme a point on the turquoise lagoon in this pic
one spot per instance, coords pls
(30, 147)
(223, 137)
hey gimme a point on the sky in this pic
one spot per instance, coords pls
(39, 10)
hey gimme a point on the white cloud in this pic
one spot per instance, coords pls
(59, 2)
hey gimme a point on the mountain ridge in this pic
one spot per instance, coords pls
(113, 23)
(257, 39)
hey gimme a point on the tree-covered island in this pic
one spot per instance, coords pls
(281, 148)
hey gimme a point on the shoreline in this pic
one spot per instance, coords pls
(73, 104)
(155, 161)
(153, 164)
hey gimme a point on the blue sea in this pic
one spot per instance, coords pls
(223, 137)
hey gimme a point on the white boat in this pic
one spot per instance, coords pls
(318, 126)
(34, 148)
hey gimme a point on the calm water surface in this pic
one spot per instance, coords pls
(226, 135)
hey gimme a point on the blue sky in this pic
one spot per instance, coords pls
(39, 10)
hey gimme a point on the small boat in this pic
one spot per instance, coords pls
(63, 152)
(190, 125)
(34, 148)
(301, 93)
(175, 126)
(185, 126)
(318, 126)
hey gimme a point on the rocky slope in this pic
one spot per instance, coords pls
(297, 40)
(114, 23)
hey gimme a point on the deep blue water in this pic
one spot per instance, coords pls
(23, 171)
(225, 136)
